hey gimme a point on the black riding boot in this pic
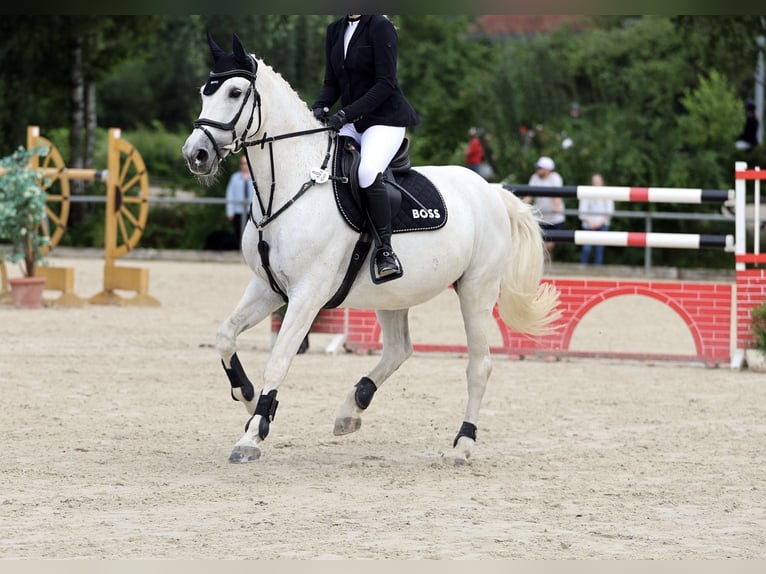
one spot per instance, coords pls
(386, 264)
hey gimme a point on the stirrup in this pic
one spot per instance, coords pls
(388, 272)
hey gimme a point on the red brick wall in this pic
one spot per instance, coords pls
(751, 291)
(706, 308)
(363, 328)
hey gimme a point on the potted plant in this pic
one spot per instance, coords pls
(22, 211)
(756, 357)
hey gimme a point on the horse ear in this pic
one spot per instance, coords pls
(215, 48)
(240, 55)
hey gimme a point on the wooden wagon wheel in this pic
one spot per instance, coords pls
(55, 182)
(131, 202)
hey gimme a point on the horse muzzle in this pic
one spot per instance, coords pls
(202, 155)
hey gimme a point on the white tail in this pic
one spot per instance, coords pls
(525, 304)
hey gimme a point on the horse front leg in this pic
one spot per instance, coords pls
(295, 326)
(397, 348)
(257, 302)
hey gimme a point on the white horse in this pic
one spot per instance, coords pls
(490, 248)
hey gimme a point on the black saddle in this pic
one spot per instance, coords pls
(416, 204)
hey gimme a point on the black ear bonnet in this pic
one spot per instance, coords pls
(226, 66)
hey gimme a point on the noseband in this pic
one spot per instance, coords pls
(237, 141)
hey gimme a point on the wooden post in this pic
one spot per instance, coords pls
(123, 278)
(5, 293)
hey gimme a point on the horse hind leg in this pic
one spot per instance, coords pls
(477, 318)
(397, 348)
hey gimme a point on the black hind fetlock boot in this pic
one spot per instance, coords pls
(385, 263)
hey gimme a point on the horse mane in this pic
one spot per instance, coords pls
(280, 79)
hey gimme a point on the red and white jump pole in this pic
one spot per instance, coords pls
(750, 265)
(640, 239)
(632, 194)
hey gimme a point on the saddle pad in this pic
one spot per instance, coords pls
(425, 212)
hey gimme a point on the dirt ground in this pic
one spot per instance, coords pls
(117, 423)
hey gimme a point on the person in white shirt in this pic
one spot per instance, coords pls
(551, 208)
(595, 215)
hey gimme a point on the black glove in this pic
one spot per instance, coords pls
(337, 121)
(320, 113)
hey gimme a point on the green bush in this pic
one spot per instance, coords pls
(180, 226)
(161, 152)
(22, 210)
(758, 325)
(88, 231)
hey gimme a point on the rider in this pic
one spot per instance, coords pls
(360, 69)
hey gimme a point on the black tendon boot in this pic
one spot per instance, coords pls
(386, 266)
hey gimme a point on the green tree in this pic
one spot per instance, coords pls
(656, 94)
(445, 75)
(723, 43)
(70, 57)
(707, 132)
(160, 84)
(32, 78)
(291, 44)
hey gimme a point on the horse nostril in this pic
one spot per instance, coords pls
(201, 157)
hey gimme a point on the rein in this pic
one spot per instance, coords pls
(317, 175)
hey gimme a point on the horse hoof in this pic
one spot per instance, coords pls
(244, 454)
(346, 425)
(454, 459)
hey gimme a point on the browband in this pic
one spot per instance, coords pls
(215, 79)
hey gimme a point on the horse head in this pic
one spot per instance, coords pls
(231, 110)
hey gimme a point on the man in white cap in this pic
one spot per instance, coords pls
(551, 208)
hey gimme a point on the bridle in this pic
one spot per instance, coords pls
(237, 141)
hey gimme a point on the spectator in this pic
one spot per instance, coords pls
(239, 194)
(748, 139)
(595, 215)
(474, 153)
(487, 167)
(574, 111)
(574, 116)
(551, 208)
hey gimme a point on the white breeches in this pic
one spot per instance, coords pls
(378, 146)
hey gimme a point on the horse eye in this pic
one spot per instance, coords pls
(235, 93)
